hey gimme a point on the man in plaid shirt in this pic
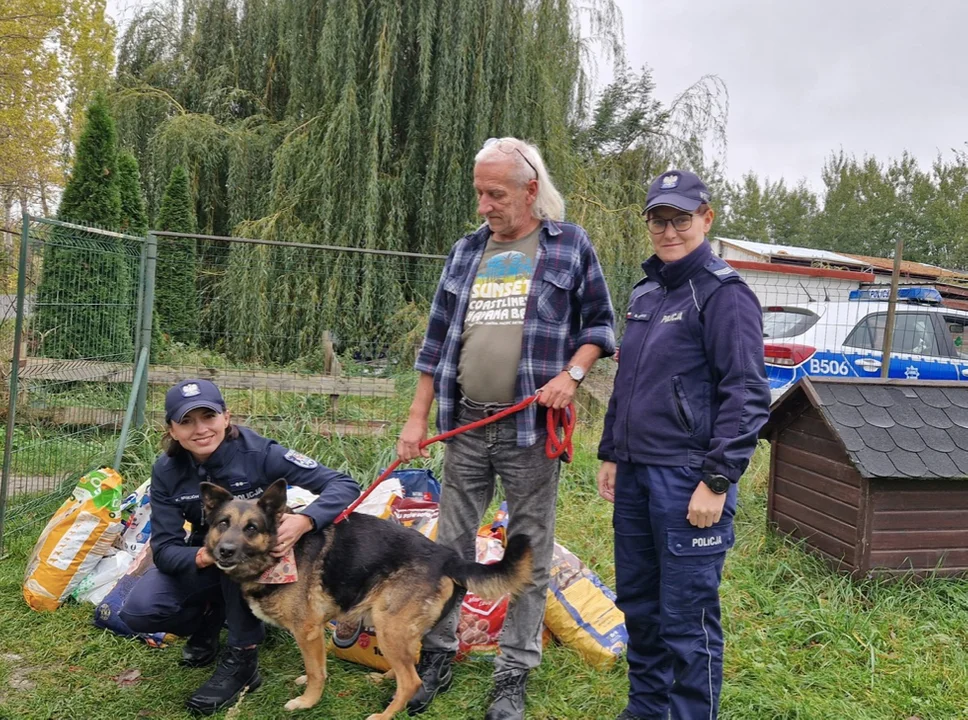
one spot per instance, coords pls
(522, 305)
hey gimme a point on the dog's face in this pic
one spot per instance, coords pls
(242, 533)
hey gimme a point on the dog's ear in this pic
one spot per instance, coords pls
(273, 500)
(213, 497)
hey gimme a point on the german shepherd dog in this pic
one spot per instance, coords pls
(364, 567)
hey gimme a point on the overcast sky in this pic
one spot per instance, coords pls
(808, 77)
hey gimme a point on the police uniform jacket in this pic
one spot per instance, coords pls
(245, 466)
(691, 388)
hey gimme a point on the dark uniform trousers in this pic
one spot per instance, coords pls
(667, 575)
(183, 604)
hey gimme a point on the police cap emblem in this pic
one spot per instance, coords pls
(190, 390)
(670, 181)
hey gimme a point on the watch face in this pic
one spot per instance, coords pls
(717, 483)
(576, 373)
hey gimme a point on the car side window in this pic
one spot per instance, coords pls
(868, 334)
(914, 334)
(956, 328)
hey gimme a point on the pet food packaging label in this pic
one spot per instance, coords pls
(80, 533)
(581, 611)
(137, 525)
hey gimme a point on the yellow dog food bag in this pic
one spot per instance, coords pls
(581, 611)
(79, 534)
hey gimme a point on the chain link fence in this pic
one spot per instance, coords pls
(71, 333)
(312, 345)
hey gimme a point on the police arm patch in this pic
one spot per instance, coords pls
(301, 460)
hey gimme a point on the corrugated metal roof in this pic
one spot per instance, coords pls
(909, 267)
(793, 252)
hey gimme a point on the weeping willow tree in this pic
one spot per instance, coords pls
(628, 139)
(354, 123)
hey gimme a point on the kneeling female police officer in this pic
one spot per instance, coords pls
(185, 593)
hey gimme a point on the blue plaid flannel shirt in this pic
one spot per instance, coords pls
(568, 306)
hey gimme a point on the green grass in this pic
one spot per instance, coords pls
(802, 642)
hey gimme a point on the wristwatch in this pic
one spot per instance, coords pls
(575, 373)
(719, 484)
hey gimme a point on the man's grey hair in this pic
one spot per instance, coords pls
(528, 165)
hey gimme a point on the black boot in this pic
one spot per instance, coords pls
(436, 671)
(626, 715)
(238, 670)
(508, 701)
(202, 647)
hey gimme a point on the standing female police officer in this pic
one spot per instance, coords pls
(185, 593)
(690, 397)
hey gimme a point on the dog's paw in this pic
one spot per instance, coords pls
(301, 680)
(298, 704)
(376, 677)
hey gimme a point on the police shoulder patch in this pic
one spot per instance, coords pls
(721, 270)
(301, 460)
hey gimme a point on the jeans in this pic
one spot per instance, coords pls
(530, 481)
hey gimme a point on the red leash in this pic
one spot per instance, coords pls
(555, 447)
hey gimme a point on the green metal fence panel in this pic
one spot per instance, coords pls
(71, 343)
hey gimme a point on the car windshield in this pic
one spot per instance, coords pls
(785, 322)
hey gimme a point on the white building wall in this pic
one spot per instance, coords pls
(774, 288)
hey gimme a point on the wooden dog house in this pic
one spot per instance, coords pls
(873, 474)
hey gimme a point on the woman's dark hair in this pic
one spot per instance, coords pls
(173, 448)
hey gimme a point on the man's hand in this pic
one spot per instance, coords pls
(408, 445)
(292, 527)
(606, 481)
(558, 392)
(705, 507)
(203, 558)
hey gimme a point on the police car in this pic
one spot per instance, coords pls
(845, 338)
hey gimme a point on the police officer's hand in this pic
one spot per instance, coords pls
(606, 481)
(203, 558)
(408, 445)
(705, 507)
(292, 527)
(559, 391)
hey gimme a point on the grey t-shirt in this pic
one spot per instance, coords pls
(494, 323)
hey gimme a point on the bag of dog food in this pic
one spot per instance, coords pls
(137, 524)
(79, 534)
(105, 575)
(481, 621)
(581, 611)
(409, 497)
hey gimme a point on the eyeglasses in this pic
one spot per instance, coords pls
(505, 146)
(657, 226)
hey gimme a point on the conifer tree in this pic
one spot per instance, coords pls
(176, 296)
(86, 292)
